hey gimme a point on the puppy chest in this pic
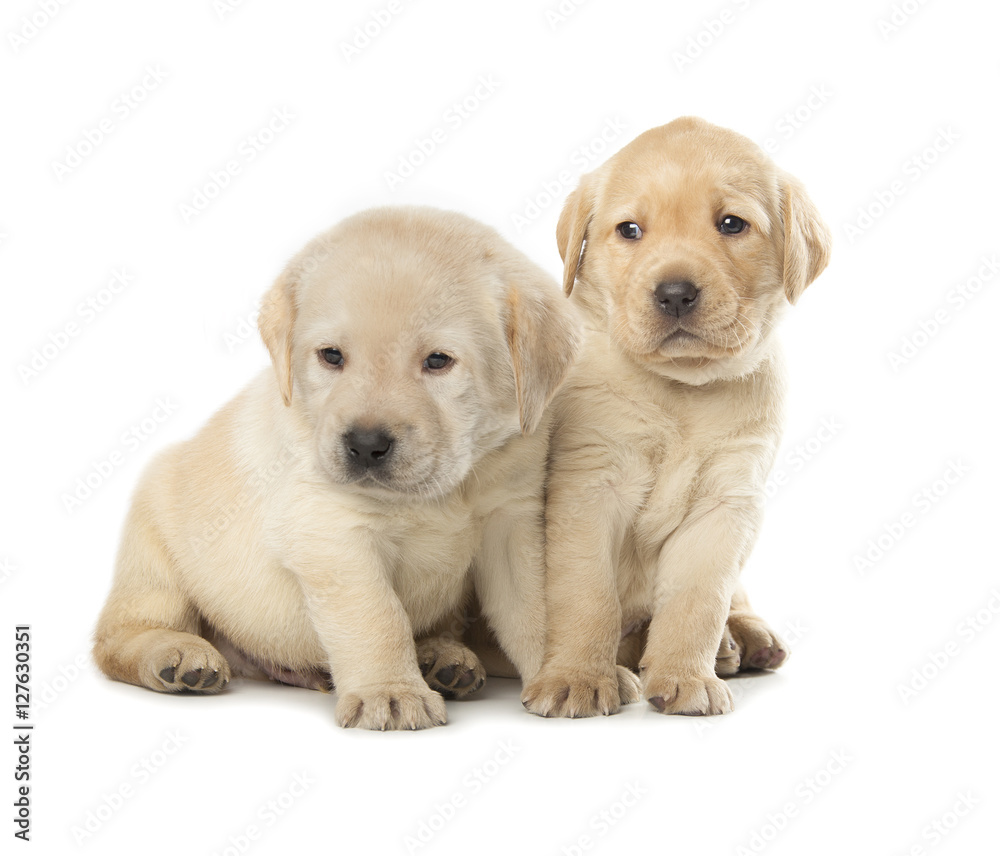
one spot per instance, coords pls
(677, 477)
(666, 505)
(430, 566)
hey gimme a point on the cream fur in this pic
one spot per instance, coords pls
(666, 430)
(254, 548)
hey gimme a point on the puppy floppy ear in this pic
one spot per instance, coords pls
(571, 231)
(807, 238)
(275, 322)
(543, 337)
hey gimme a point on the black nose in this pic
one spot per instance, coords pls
(676, 298)
(368, 447)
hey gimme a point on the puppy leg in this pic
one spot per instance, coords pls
(757, 646)
(579, 676)
(697, 574)
(366, 634)
(510, 583)
(147, 632)
(481, 639)
(727, 660)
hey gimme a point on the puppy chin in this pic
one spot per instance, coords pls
(689, 358)
(698, 371)
(392, 484)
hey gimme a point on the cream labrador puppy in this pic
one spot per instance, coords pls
(337, 505)
(682, 251)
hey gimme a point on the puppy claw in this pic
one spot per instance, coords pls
(352, 715)
(437, 718)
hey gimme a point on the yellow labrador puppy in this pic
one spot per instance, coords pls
(683, 251)
(335, 507)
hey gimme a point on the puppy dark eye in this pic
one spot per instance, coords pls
(730, 225)
(437, 361)
(332, 356)
(629, 231)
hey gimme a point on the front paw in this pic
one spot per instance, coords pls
(449, 667)
(693, 695)
(391, 708)
(578, 693)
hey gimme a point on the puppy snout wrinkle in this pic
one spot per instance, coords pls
(676, 298)
(368, 447)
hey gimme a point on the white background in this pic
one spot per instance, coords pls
(830, 755)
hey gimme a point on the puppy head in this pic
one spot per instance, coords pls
(412, 342)
(687, 245)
